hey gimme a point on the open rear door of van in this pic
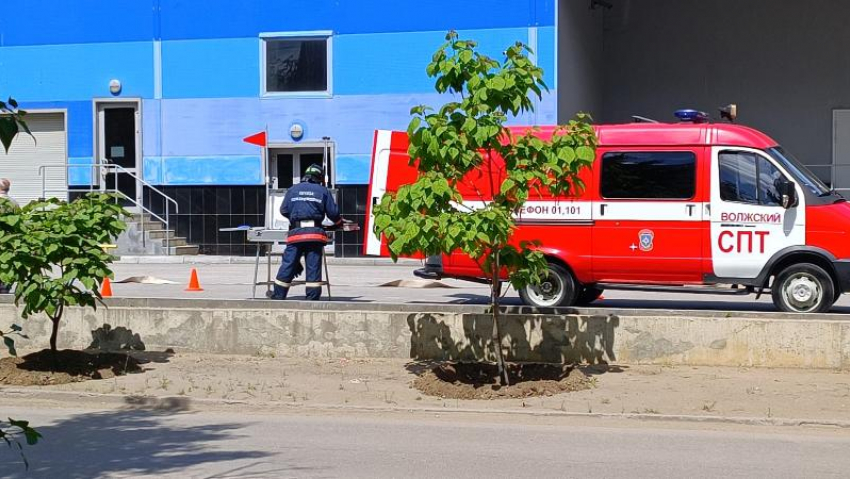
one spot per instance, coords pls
(391, 169)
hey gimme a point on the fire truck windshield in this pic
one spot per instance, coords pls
(800, 173)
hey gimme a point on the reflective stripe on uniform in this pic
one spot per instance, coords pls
(282, 284)
(314, 285)
(303, 237)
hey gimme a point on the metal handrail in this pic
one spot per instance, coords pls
(116, 169)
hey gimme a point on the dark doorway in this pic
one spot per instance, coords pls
(284, 170)
(119, 148)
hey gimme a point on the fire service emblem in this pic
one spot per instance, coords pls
(646, 237)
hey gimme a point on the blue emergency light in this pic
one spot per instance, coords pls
(693, 116)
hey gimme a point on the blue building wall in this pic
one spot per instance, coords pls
(196, 66)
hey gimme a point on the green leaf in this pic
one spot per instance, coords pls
(382, 222)
(566, 154)
(585, 153)
(507, 186)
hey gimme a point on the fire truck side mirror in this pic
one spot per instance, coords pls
(788, 191)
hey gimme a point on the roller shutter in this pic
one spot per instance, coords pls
(21, 163)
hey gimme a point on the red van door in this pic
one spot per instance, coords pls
(390, 170)
(648, 218)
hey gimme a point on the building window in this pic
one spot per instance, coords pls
(749, 178)
(656, 175)
(296, 64)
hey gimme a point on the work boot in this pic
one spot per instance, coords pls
(314, 294)
(278, 292)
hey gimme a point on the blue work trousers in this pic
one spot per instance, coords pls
(290, 265)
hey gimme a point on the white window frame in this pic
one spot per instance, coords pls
(311, 35)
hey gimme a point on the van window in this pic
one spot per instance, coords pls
(749, 178)
(657, 175)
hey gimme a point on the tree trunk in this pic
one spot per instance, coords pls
(495, 296)
(54, 333)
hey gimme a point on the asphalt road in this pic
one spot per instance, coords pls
(366, 284)
(137, 443)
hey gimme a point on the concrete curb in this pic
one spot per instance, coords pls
(185, 403)
(427, 307)
(331, 329)
(204, 259)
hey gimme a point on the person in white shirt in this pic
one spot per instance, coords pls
(5, 185)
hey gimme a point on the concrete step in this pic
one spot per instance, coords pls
(183, 250)
(148, 225)
(175, 241)
(159, 234)
(172, 241)
(137, 217)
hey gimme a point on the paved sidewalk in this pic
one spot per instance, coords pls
(770, 396)
(362, 283)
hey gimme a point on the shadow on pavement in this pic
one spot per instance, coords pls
(128, 442)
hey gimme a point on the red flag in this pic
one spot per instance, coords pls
(258, 139)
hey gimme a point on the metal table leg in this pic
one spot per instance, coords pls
(327, 275)
(269, 269)
(256, 271)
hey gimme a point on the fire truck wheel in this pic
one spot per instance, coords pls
(588, 294)
(557, 289)
(803, 288)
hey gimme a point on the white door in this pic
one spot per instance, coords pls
(30, 157)
(748, 223)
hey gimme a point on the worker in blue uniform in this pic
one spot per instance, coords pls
(305, 206)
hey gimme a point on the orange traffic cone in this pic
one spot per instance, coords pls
(106, 288)
(194, 285)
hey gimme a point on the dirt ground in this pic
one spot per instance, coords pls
(270, 383)
(40, 368)
(481, 381)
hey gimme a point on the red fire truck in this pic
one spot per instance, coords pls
(691, 206)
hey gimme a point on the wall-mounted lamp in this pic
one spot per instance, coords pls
(296, 131)
(115, 86)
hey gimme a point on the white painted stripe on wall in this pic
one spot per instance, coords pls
(532, 44)
(157, 69)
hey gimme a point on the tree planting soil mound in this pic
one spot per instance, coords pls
(480, 380)
(71, 366)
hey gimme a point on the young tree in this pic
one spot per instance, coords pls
(468, 134)
(52, 251)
